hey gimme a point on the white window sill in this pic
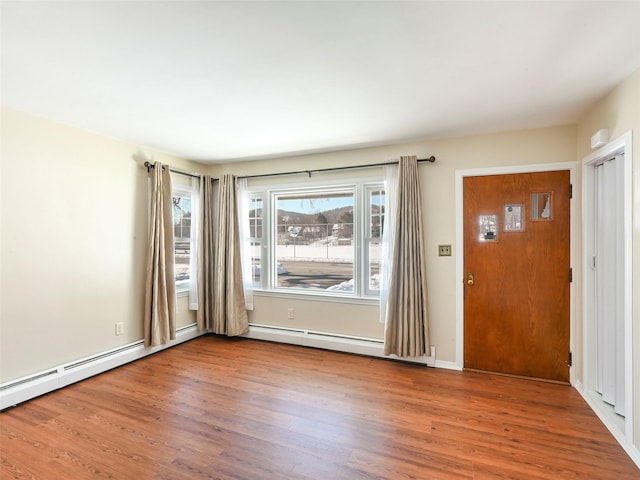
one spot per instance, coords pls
(183, 292)
(317, 297)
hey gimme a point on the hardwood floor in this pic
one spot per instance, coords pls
(223, 408)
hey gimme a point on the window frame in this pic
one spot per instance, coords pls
(370, 189)
(361, 189)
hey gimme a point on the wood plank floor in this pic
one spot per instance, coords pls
(223, 408)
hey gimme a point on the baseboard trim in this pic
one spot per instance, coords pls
(20, 390)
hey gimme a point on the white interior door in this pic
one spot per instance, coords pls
(609, 266)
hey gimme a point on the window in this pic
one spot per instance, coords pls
(255, 237)
(323, 240)
(314, 238)
(182, 235)
(375, 216)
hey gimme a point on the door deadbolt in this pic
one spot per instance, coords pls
(470, 279)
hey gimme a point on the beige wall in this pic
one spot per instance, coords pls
(73, 251)
(438, 180)
(619, 111)
(74, 226)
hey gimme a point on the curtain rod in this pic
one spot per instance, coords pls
(431, 159)
(150, 165)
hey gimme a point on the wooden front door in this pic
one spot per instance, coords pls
(517, 274)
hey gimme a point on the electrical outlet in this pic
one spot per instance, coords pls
(120, 328)
(444, 250)
(291, 314)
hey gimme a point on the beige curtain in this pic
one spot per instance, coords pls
(230, 312)
(407, 327)
(222, 307)
(206, 254)
(160, 288)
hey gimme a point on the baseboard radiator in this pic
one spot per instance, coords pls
(26, 388)
(20, 390)
(342, 343)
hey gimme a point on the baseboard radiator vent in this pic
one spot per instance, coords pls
(331, 341)
(117, 351)
(20, 390)
(26, 388)
(26, 380)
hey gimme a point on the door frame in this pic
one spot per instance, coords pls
(621, 430)
(459, 196)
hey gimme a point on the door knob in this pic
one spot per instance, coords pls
(470, 279)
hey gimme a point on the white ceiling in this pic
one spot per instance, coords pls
(225, 81)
